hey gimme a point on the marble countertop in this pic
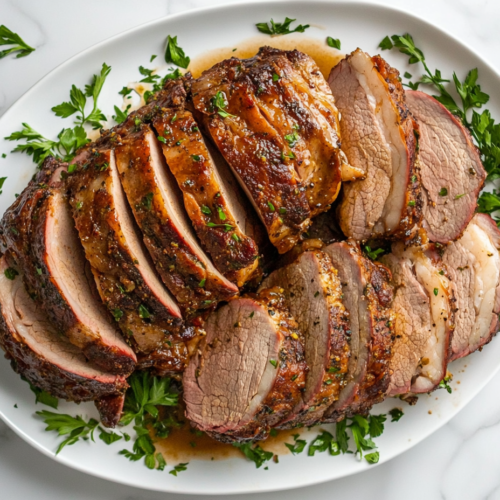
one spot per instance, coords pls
(460, 461)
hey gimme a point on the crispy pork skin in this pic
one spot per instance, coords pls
(220, 218)
(427, 337)
(367, 299)
(378, 137)
(156, 202)
(37, 352)
(232, 107)
(473, 264)
(40, 233)
(125, 278)
(250, 373)
(314, 295)
(451, 171)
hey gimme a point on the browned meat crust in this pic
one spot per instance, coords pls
(206, 200)
(140, 305)
(258, 154)
(24, 230)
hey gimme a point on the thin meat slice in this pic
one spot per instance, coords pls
(314, 295)
(249, 374)
(378, 137)
(156, 202)
(220, 219)
(367, 299)
(40, 233)
(228, 104)
(424, 322)
(125, 279)
(37, 351)
(451, 171)
(473, 264)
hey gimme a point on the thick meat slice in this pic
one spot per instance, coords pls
(424, 324)
(48, 360)
(221, 221)
(451, 171)
(314, 295)
(157, 204)
(230, 106)
(378, 137)
(249, 374)
(367, 299)
(39, 231)
(473, 264)
(125, 279)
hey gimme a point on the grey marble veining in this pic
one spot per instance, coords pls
(459, 462)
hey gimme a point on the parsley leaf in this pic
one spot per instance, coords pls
(376, 424)
(254, 453)
(219, 103)
(373, 254)
(298, 446)
(333, 42)
(323, 442)
(445, 383)
(8, 37)
(75, 428)
(121, 115)
(178, 468)
(108, 437)
(372, 458)
(43, 397)
(283, 28)
(396, 414)
(174, 54)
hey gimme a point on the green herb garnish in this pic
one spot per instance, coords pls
(254, 453)
(174, 54)
(8, 37)
(333, 42)
(283, 28)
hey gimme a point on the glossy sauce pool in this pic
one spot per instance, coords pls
(183, 444)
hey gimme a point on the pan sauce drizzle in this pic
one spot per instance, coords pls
(183, 444)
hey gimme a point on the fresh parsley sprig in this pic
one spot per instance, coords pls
(78, 101)
(283, 28)
(8, 37)
(254, 453)
(174, 54)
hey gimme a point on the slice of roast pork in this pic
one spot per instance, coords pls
(378, 137)
(220, 219)
(249, 373)
(37, 351)
(423, 304)
(230, 103)
(39, 231)
(156, 202)
(125, 278)
(451, 171)
(367, 299)
(473, 264)
(314, 295)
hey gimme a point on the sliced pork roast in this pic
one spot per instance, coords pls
(157, 205)
(125, 278)
(250, 372)
(39, 231)
(275, 122)
(314, 295)
(451, 171)
(367, 299)
(378, 137)
(37, 351)
(224, 225)
(423, 304)
(473, 264)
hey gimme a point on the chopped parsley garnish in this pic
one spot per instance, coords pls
(283, 28)
(222, 215)
(445, 384)
(162, 139)
(121, 115)
(458, 196)
(147, 201)
(254, 453)
(276, 77)
(273, 362)
(153, 57)
(201, 284)
(333, 42)
(443, 192)
(8, 37)
(42, 397)
(143, 312)
(411, 203)
(395, 414)
(174, 54)
(178, 468)
(373, 254)
(219, 103)
(323, 442)
(227, 227)
(436, 291)
(206, 210)
(196, 157)
(292, 138)
(235, 237)
(10, 273)
(118, 314)
(271, 206)
(372, 458)
(298, 446)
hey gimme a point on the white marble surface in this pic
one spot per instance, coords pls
(461, 461)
